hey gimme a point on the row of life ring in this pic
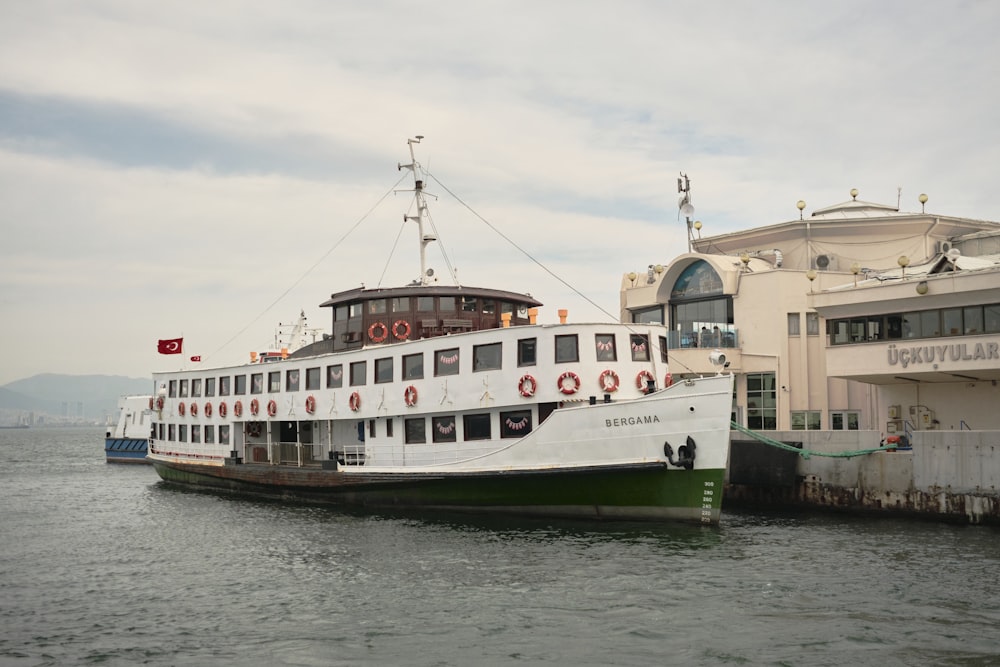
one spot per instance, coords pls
(569, 382)
(378, 331)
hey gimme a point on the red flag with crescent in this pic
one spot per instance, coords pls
(170, 346)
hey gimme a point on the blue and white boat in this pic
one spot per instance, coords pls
(128, 440)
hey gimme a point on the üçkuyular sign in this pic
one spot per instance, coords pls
(929, 354)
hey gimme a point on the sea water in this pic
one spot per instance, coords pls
(103, 564)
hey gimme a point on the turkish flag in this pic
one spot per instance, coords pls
(196, 358)
(170, 346)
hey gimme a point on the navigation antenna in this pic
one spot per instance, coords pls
(684, 188)
(426, 237)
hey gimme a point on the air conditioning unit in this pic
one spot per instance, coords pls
(942, 246)
(824, 263)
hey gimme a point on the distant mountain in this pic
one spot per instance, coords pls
(70, 396)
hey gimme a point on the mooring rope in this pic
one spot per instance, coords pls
(806, 453)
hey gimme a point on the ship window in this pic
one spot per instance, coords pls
(371, 428)
(354, 310)
(515, 424)
(526, 355)
(196, 433)
(274, 382)
(182, 433)
(312, 378)
(468, 304)
(413, 366)
(663, 349)
(172, 432)
(415, 431)
(506, 307)
(447, 304)
(606, 350)
(566, 349)
(257, 383)
(388, 427)
(443, 429)
(209, 434)
(477, 427)
(196, 388)
(224, 434)
(486, 357)
(640, 347)
(489, 307)
(340, 313)
(383, 370)
(184, 389)
(335, 376)
(209, 387)
(359, 373)
(400, 304)
(224, 386)
(240, 382)
(376, 306)
(446, 362)
(425, 304)
(292, 380)
(173, 389)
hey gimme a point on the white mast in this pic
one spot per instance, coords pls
(418, 191)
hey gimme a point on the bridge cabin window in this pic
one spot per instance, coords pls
(425, 304)
(469, 304)
(446, 304)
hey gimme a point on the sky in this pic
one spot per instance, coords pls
(207, 170)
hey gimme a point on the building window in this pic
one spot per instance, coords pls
(805, 420)
(257, 383)
(526, 352)
(845, 420)
(653, 315)
(446, 362)
(950, 317)
(486, 357)
(359, 373)
(762, 401)
(640, 347)
(383, 370)
(812, 324)
(413, 366)
(516, 424)
(292, 380)
(566, 349)
(991, 318)
(477, 427)
(335, 376)
(414, 431)
(606, 350)
(312, 379)
(443, 429)
(793, 324)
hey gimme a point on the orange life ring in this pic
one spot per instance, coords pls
(668, 380)
(272, 408)
(573, 378)
(208, 409)
(410, 395)
(378, 338)
(401, 329)
(527, 386)
(159, 402)
(642, 379)
(238, 408)
(223, 409)
(608, 380)
(194, 409)
(180, 408)
(254, 407)
(355, 402)
(310, 404)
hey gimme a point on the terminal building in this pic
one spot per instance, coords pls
(858, 322)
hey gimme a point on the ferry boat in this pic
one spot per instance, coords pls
(127, 441)
(435, 397)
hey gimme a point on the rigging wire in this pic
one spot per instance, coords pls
(311, 268)
(391, 252)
